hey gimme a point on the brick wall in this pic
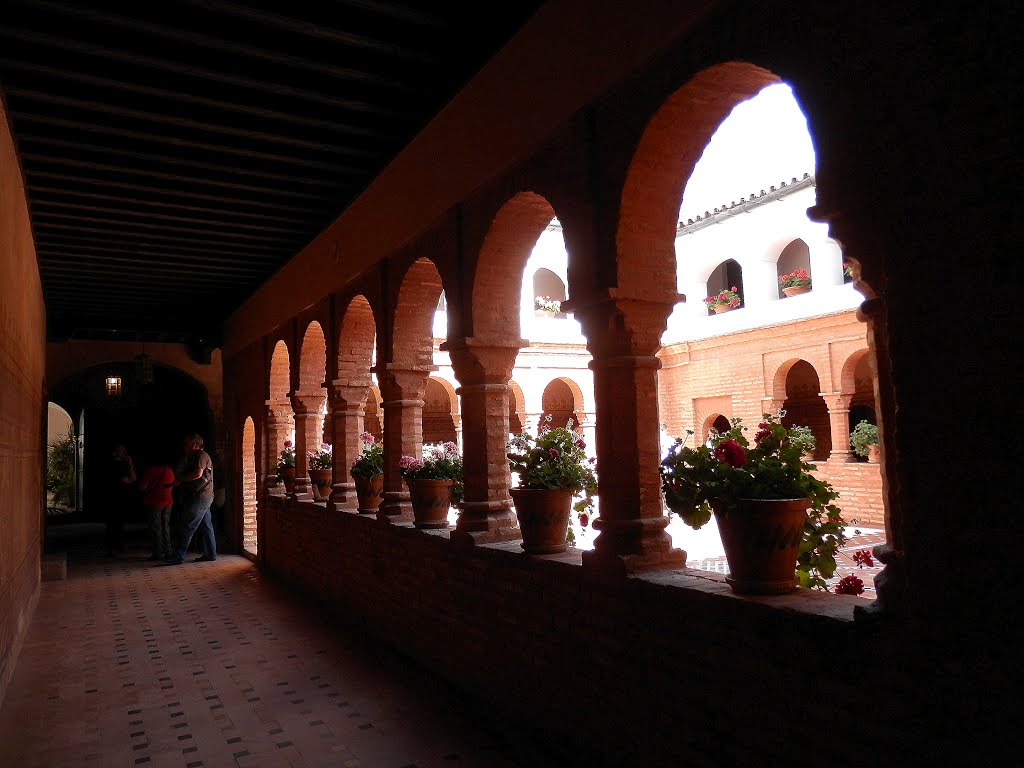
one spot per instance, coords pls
(661, 670)
(22, 410)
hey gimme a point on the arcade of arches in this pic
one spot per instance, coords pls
(642, 636)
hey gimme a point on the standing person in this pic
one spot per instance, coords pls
(120, 497)
(195, 486)
(156, 484)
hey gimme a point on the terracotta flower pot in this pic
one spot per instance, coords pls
(543, 518)
(431, 500)
(322, 478)
(720, 308)
(370, 492)
(874, 454)
(761, 538)
(288, 475)
(793, 290)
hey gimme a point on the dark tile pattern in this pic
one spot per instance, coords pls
(128, 662)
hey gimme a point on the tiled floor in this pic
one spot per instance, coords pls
(133, 663)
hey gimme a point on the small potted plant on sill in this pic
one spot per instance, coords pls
(321, 471)
(368, 473)
(797, 281)
(847, 272)
(286, 466)
(724, 300)
(760, 493)
(435, 483)
(553, 467)
(545, 306)
(864, 440)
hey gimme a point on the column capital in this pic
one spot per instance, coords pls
(837, 401)
(342, 392)
(618, 324)
(482, 360)
(307, 402)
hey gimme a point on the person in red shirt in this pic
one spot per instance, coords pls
(156, 483)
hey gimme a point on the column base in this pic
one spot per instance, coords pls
(486, 522)
(343, 498)
(632, 546)
(396, 507)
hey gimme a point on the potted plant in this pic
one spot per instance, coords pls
(60, 470)
(847, 272)
(724, 300)
(778, 524)
(864, 440)
(553, 467)
(797, 281)
(545, 305)
(435, 483)
(286, 466)
(368, 473)
(805, 437)
(320, 468)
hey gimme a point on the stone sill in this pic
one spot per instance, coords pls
(808, 602)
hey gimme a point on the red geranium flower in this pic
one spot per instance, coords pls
(731, 453)
(863, 557)
(849, 585)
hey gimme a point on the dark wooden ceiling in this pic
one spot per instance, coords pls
(177, 153)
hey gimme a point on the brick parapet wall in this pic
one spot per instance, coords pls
(554, 653)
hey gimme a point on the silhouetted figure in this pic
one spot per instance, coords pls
(156, 484)
(121, 497)
(194, 481)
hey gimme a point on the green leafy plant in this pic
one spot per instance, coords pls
(441, 461)
(696, 480)
(547, 304)
(60, 468)
(729, 297)
(371, 461)
(795, 279)
(555, 459)
(864, 435)
(847, 271)
(803, 436)
(322, 459)
(285, 459)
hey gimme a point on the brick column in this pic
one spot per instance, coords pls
(347, 406)
(402, 392)
(307, 407)
(624, 335)
(278, 427)
(839, 423)
(484, 369)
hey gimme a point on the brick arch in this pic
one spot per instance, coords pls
(853, 365)
(503, 256)
(718, 421)
(857, 380)
(312, 359)
(440, 409)
(412, 342)
(803, 404)
(250, 504)
(516, 408)
(279, 378)
(666, 155)
(356, 339)
(562, 399)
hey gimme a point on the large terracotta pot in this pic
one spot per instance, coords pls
(761, 538)
(874, 454)
(543, 519)
(431, 500)
(370, 492)
(288, 475)
(322, 478)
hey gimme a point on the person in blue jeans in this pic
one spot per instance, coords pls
(194, 479)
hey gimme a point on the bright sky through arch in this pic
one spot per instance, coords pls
(762, 142)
